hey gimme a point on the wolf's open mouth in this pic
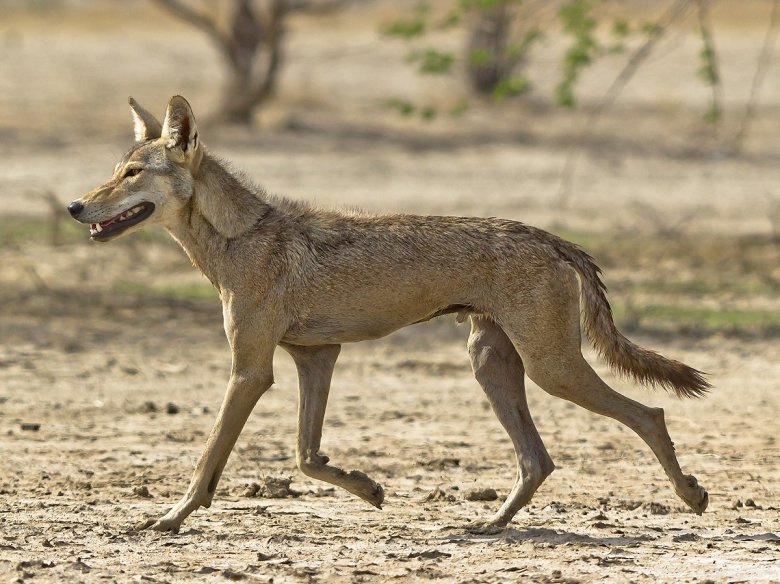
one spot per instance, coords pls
(120, 222)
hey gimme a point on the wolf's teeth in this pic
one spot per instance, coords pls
(137, 209)
(98, 228)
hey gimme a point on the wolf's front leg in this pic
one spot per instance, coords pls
(251, 376)
(315, 369)
(244, 389)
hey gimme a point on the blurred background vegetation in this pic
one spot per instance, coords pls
(646, 131)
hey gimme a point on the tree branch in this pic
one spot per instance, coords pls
(675, 11)
(763, 64)
(195, 18)
(274, 33)
(711, 64)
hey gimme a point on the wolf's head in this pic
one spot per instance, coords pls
(154, 179)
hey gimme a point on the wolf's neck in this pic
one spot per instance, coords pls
(222, 208)
(224, 201)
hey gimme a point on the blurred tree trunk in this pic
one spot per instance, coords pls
(251, 46)
(489, 62)
(254, 55)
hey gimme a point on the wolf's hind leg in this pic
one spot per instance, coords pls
(572, 378)
(499, 370)
(548, 340)
(315, 369)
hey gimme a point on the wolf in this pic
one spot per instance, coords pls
(308, 280)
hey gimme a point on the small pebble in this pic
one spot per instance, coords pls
(481, 495)
(149, 406)
(142, 491)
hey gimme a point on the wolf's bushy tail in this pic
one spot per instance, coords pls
(643, 365)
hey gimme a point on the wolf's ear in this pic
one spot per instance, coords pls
(145, 124)
(181, 134)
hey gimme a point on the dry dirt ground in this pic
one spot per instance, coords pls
(113, 361)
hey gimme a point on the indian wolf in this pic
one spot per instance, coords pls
(307, 280)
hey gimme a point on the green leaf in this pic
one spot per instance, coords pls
(481, 58)
(459, 108)
(435, 62)
(511, 87)
(409, 28)
(405, 29)
(402, 106)
(519, 48)
(577, 19)
(428, 113)
(650, 28)
(709, 68)
(564, 96)
(422, 9)
(467, 5)
(621, 28)
(713, 114)
(452, 20)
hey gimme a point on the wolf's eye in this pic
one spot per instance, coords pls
(132, 172)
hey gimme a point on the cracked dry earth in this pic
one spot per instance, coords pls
(124, 396)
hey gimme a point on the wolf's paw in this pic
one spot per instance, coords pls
(694, 495)
(365, 487)
(376, 496)
(484, 528)
(379, 496)
(164, 524)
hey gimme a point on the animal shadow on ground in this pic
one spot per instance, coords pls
(552, 537)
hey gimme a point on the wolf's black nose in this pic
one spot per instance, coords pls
(75, 208)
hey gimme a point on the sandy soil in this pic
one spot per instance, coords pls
(106, 394)
(109, 451)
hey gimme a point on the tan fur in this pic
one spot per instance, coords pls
(308, 280)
